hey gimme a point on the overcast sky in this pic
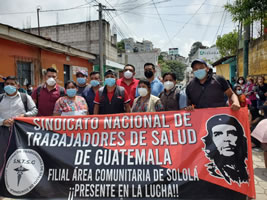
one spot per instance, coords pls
(182, 23)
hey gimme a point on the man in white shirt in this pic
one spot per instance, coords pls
(12, 104)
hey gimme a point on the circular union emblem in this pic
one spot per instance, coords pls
(24, 170)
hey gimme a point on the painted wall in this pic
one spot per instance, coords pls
(223, 70)
(257, 58)
(11, 52)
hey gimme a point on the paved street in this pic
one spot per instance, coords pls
(260, 173)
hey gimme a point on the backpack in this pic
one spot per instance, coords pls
(38, 90)
(23, 97)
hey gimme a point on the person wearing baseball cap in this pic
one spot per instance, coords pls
(111, 98)
(82, 77)
(207, 90)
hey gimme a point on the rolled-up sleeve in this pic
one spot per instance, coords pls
(32, 110)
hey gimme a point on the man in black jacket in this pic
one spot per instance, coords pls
(111, 98)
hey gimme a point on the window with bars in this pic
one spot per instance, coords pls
(25, 72)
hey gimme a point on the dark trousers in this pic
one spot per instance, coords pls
(4, 141)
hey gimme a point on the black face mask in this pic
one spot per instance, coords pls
(149, 74)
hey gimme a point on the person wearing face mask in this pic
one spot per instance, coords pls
(46, 95)
(261, 91)
(241, 82)
(12, 104)
(241, 97)
(111, 98)
(29, 89)
(207, 90)
(150, 73)
(128, 81)
(89, 93)
(81, 77)
(146, 102)
(71, 104)
(171, 97)
(250, 90)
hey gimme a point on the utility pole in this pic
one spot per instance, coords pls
(246, 49)
(38, 20)
(246, 44)
(101, 39)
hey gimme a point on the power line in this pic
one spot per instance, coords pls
(123, 36)
(17, 13)
(138, 6)
(180, 6)
(171, 14)
(54, 10)
(218, 28)
(187, 21)
(162, 22)
(128, 28)
(224, 22)
(178, 22)
(64, 9)
(210, 19)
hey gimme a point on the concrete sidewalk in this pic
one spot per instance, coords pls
(260, 175)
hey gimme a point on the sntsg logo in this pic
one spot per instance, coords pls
(24, 170)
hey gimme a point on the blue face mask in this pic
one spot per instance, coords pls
(71, 92)
(239, 92)
(200, 74)
(110, 81)
(94, 83)
(9, 89)
(81, 81)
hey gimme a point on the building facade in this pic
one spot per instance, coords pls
(84, 36)
(132, 46)
(27, 56)
(138, 59)
(210, 55)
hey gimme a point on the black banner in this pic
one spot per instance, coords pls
(80, 158)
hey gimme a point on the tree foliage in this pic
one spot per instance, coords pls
(228, 44)
(195, 46)
(173, 66)
(120, 46)
(247, 11)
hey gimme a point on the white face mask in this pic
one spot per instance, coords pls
(51, 81)
(168, 85)
(142, 91)
(128, 74)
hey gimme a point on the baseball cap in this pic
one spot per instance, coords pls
(110, 71)
(198, 61)
(83, 72)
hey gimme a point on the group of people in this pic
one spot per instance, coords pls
(126, 94)
(253, 93)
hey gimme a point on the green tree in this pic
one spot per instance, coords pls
(247, 11)
(164, 67)
(160, 58)
(228, 44)
(195, 46)
(173, 66)
(120, 46)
